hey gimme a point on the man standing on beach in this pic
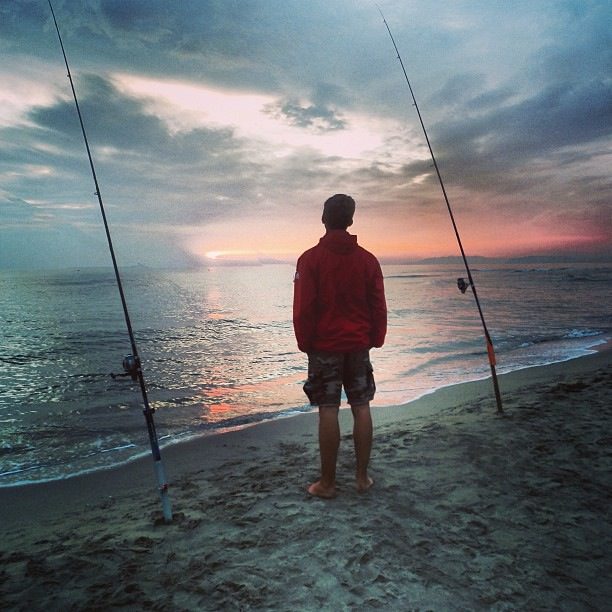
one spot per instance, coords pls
(339, 314)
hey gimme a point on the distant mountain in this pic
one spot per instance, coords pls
(456, 259)
(526, 259)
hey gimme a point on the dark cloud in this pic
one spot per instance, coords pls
(497, 142)
(315, 118)
(457, 89)
(208, 171)
(123, 123)
(15, 17)
(110, 118)
(579, 47)
(492, 98)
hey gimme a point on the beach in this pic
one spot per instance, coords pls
(470, 510)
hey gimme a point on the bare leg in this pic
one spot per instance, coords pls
(362, 437)
(329, 441)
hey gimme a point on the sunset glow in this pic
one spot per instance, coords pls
(185, 106)
(218, 135)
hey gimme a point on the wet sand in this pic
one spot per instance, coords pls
(470, 510)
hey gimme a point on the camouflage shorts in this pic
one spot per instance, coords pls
(329, 372)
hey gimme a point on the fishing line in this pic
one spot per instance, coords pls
(131, 363)
(462, 284)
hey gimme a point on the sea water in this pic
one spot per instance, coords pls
(218, 349)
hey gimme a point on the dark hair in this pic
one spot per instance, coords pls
(338, 211)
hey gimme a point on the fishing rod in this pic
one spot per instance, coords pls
(462, 284)
(131, 363)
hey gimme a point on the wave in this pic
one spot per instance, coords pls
(36, 472)
(572, 334)
(583, 333)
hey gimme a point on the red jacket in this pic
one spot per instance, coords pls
(338, 297)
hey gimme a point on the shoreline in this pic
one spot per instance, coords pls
(470, 509)
(144, 455)
(425, 406)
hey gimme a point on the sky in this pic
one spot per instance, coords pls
(219, 127)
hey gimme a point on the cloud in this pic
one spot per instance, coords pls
(317, 118)
(457, 89)
(501, 148)
(578, 46)
(208, 116)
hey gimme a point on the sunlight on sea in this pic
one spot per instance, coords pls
(218, 349)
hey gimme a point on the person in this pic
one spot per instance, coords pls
(339, 314)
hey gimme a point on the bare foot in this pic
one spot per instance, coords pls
(318, 490)
(364, 485)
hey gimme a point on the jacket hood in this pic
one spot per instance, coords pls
(339, 241)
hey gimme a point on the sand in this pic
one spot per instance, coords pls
(470, 511)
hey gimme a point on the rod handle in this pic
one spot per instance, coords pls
(163, 491)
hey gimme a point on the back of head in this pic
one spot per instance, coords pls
(338, 211)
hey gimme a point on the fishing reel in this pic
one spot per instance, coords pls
(463, 285)
(131, 366)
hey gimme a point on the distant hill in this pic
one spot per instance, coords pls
(527, 259)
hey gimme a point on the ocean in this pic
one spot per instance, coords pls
(218, 349)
